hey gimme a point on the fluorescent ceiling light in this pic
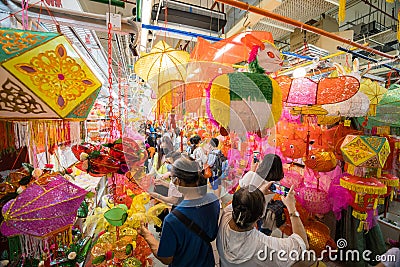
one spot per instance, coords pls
(334, 2)
(276, 26)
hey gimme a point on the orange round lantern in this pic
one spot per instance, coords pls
(320, 160)
(293, 148)
(365, 192)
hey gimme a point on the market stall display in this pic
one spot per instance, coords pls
(43, 76)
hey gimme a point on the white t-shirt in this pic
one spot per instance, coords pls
(199, 155)
(248, 248)
(391, 258)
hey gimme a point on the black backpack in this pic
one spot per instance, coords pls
(217, 166)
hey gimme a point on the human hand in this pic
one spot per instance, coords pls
(265, 188)
(154, 194)
(158, 182)
(143, 230)
(290, 200)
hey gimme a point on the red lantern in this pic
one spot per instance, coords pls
(391, 182)
(365, 192)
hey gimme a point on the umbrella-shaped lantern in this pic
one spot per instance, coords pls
(42, 76)
(374, 92)
(304, 91)
(365, 151)
(44, 207)
(164, 68)
(244, 102)
(388, 109)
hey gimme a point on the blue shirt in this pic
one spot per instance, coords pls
(187, 248)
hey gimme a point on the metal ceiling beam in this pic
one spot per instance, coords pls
(301, 25)
(73, 18)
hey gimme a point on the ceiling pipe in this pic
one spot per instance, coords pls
(366, 58)
(70, 18)
(302, 25)
(380, 10)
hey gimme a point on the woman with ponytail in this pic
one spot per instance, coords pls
(239, 243)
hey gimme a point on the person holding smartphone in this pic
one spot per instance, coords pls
(269, 169)
(240, 244)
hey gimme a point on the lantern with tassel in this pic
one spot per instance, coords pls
(391, 183)
(365, 192)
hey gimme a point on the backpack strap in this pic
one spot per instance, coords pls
(191, 225)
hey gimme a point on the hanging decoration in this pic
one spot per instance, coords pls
(239, 48)
(391, 183)
(164, 68)
(42, 76)
(46, 208)
(365, 151)
(304, 91)
(374, 92)
(365, 192)
(233, 99)
(356, 106)
(388, 109)
(320, 160)
(342, 11)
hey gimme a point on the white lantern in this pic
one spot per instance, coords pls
(356, 106)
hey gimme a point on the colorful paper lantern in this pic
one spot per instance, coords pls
(314, 200)
(46, 205)
(318, 235)
(164, 68)
(43, 77)
(244, 102)
(365, 192)
(304, 91)
(292, 148)
(238, 48)
(320, 160)
(391, 183)
(356, 106)
(374, 92)
(387, 109)
(365, 151)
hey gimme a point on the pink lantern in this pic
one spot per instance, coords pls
(304, 91)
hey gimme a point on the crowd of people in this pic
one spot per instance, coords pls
(195, 221)
(242, 230)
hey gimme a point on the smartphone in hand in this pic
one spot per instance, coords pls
(279, 189)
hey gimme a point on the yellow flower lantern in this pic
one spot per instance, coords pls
(42, 76)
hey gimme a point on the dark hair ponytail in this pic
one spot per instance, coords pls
(248, 206)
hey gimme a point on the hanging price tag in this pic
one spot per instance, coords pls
(347, 123)
(115, 20)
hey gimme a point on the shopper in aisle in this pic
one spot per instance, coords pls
(174, 196)
(240, 244)
(179, 244)
(214, 160)
(197, 152)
